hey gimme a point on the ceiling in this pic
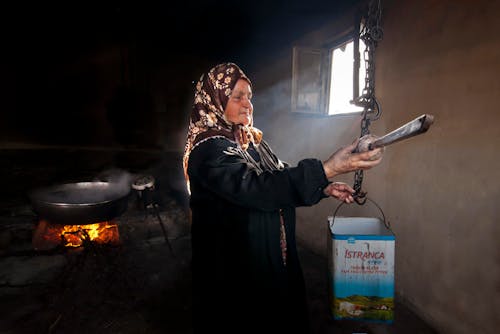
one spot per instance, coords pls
(213, 27)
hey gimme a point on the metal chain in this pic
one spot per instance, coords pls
(370, 34)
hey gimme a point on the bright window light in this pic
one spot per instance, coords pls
(341, 79)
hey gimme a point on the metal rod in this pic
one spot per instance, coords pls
(157, 212)
(413, 128)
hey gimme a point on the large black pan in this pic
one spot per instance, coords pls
(80, 203)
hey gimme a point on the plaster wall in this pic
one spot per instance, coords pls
(439, 191)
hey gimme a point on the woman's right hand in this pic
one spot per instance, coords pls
(345, 161)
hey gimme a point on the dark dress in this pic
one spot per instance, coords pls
(240, 283)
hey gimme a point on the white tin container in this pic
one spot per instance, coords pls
(361, 269)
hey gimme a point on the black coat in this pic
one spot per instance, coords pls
(240, 283)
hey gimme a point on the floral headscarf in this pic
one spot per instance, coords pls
(207, 118)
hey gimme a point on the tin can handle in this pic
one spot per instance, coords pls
(386, 222)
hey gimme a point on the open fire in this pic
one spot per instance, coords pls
(48, 236)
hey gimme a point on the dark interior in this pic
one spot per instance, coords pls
(90, 90)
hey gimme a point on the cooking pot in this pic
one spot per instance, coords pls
(80, 203)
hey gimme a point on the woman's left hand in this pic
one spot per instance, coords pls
(341, 191)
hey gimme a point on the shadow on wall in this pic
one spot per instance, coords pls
(131, 115)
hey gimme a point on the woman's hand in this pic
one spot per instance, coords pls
(345, 161)
(340, 191)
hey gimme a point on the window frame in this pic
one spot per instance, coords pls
(323, 82)
(299, 73)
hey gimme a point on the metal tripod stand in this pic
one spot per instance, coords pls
(145, 188)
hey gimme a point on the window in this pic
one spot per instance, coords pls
(308, 82)
(323, 78)
(342, 79)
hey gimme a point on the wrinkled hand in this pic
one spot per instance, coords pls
(345, 161)
(340, 191)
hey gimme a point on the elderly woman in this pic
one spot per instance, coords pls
(246, 272)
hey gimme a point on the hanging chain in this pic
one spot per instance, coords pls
(371, 33)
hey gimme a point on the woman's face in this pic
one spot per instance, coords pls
(239, 108)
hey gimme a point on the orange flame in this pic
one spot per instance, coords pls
(48, 235)
(102, 233)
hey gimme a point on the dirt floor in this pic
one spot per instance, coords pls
(139, 286)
